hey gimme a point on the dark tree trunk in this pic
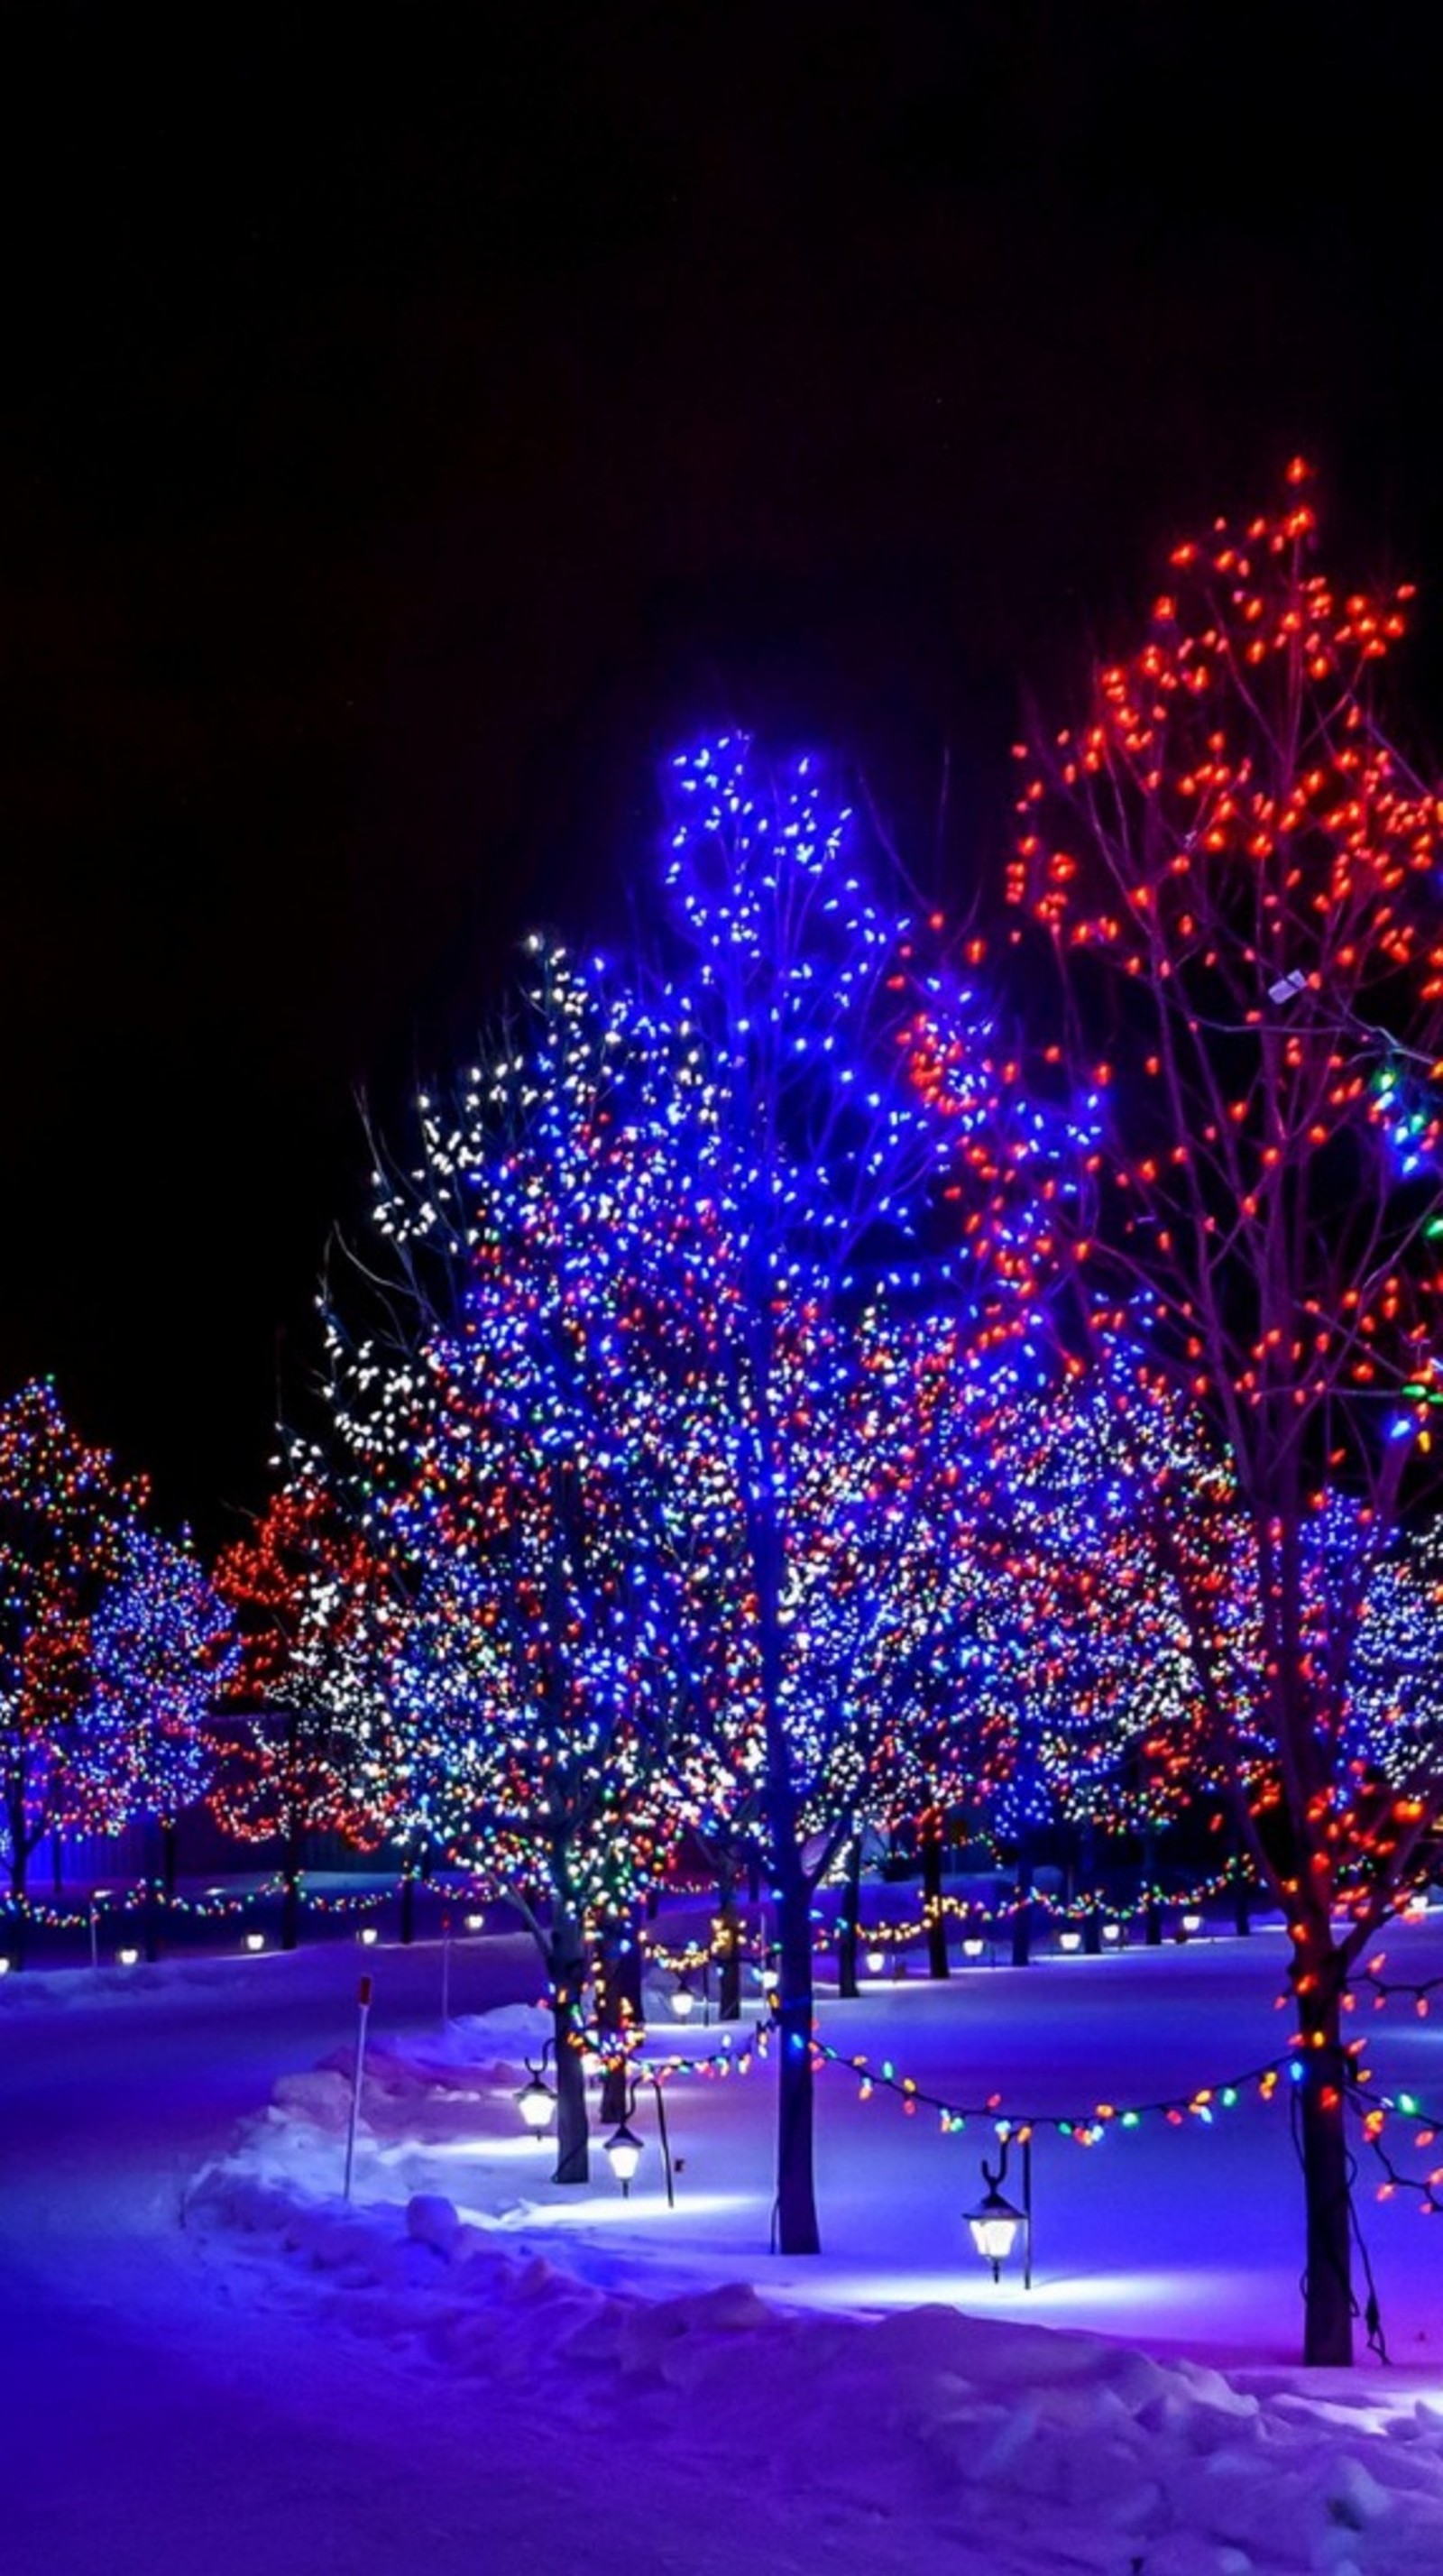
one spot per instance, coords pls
(621, 2008)
(291, 1878)
(847, 1921)
(933, 1914)
(1242, 1908)
(169, 1859)
(566, 1968)
(797, 2230)
(1152, 1925)
(19, 1864)
(1327, 2280)
(1087, 1872)
(729, 1947)
(1022, 1917)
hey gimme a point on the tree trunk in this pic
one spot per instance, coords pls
(1242, 1910)
(1022, 1917)
(620, 2008)
(797, 2230)
(408, 1904)
(1087, 1872)
(1152, 1932)
(847, 1923)
(933, 1915)
(19, 1860)
(729, 1947)
(1327, 2281)
(291, 1876)
(169, 1859)
(566, 1966)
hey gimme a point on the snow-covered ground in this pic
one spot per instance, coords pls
(213, 2363)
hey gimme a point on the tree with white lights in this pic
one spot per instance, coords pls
(506, 1418)
(296, 1754)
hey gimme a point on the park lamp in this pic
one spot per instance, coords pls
(623, 2153)
(683, 1997)
(876, 1961)
(535, 2101)
(996, 2223)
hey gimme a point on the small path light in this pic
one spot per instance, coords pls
(1069, 1941)
(536, 2102)
(623, 2152)
(368, 1936)
(624, 2149)
(996, 2223)
(255, 1940)
(683, 1998)
(876, 1962)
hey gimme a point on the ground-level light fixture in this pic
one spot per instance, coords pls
(127, 1957)
(536, 2102)
(875, 1962)
(368, 1936)
(1112, 1934)
(683, 1998)
(1070, 1940)
(255, 1941)
(623, 2153)
(996, 2223)
(474, 1922)
(1192, 1923)
(973, 1946)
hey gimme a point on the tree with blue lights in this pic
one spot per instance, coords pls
(165, 1654)
(1238, 874)
(883, 1196)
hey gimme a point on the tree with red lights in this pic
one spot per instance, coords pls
(1238, 872)
(299, 1757)
(64, 1512)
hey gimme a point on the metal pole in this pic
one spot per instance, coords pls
(364, 2000)
(665, 2141)
(1027, 2212)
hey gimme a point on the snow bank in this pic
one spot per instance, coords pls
(1058, 2449)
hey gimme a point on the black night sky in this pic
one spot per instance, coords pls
(413, 421)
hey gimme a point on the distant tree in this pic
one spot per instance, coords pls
(296, 1755)
(165, 1654)
(64, 1517)
(1238, 872)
